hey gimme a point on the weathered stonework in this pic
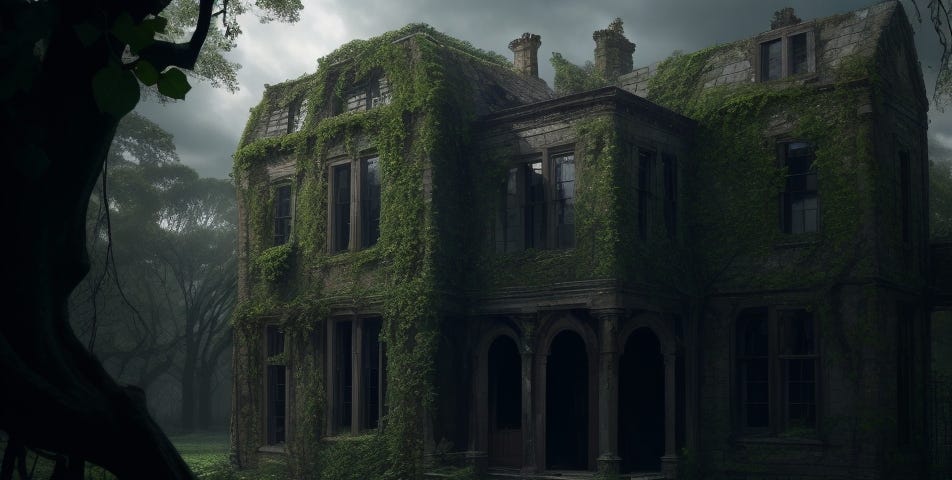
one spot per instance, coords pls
(567, 283)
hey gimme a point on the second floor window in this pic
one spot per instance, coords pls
(355, 226)
(800, 210)
(282, 214)
(538, 205)
(786, 56)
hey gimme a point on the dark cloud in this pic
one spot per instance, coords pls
(207, 126)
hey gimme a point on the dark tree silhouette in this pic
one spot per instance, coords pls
(71, 69)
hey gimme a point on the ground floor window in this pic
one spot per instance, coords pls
(777, 371)
(277, 384)
(357, 365)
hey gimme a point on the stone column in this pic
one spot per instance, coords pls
(527, 351)
(669, 462)
(608, 460)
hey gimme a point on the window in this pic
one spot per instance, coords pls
(298, 114)
(375, 92)
(776, 371)
(357, 392)
(277, 383)
(530, 193)
(282, 214)
(786, 56)
(646, 161)
(670, 194)
(360, 225)
(905, 194)
(564, 199)
(799, 206)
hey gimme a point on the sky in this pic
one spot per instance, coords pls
(207, 125)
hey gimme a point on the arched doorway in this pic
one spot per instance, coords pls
(505, 403)
(641, 410)
(566, 403)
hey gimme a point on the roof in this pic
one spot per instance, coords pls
(840, 37)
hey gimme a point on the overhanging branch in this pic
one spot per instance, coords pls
(162, 54)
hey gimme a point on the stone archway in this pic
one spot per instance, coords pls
(504, 403)
(567, 403)
(641, 403)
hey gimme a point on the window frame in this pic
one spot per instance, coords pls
(779, 424)
(785, 200)
(548, 206)
(786, 36)
(358, 402)
(270, 432)
(357, 238)
(284, 237)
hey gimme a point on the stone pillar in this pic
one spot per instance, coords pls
(608, 460)
(525, 51)
(613, 52)
(669, 462)
(527, 351)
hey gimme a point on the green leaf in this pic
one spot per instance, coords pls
(115, 90)
(87, 33)
(155, 24)
(136, 36)
(147, 74)
(173, 84)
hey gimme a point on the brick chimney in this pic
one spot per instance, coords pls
(525, 51)
(613, 51)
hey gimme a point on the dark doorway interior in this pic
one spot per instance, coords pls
(641, 403)
(505, 403)
(566, 400)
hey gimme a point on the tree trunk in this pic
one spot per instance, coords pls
(56, 395)
(204, 398)
(188, 392)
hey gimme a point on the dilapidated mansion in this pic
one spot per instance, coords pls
(716, 266)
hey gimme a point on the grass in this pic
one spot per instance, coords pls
(206, 453)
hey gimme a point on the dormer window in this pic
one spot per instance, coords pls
(297, 115)
(787, 55)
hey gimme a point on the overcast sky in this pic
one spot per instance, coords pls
(208, 124)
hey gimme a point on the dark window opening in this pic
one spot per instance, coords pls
(565, 199)
(371, 365)
(904, 372)
(800, 207)
(277, 382)
(904, 193)
(370, 201)
(777, 371)
(641, 413)
(798, 54)
(645, 172)
(282, 214)
(753, 363)
(505, 403)
(534, 205)
(798, 364)
(509, 232)
(771, 63)
(276, 403)
(343, 376)
(670, 194)
(566, 397)
(341, 208)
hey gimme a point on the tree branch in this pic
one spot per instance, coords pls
(162, 54)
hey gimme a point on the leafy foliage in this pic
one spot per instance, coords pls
(570, 78)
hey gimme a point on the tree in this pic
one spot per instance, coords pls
(158, 296)
(72, 69)
(940, 191)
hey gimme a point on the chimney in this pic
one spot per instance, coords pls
(525, 51)
(612, 51)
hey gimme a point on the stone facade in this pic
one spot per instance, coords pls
(610, 286)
